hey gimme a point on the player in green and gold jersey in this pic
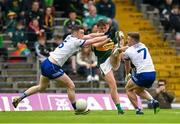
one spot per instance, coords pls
(109, 57)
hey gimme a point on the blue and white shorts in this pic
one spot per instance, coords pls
(145, 79)
(50, 70)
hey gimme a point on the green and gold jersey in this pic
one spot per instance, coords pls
(103, 52)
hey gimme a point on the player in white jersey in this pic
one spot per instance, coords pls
(51, 67)
(138, 54)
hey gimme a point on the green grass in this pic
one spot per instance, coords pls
(164, 116)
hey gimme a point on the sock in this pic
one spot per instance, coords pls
(138, 109)
(23, 95)
(74, 105)
(118, 106)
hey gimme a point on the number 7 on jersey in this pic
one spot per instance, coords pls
(144, 50)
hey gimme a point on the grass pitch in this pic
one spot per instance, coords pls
(164, 116)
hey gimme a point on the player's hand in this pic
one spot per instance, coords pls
(127, 78)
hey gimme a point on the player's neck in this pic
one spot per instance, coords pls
(134, 43)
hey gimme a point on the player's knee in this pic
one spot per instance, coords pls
(115, 68)
(71, 86)
(138, 91)
(127, 88)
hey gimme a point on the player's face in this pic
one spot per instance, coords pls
(80, 34)
(102, 29)
(130, 41)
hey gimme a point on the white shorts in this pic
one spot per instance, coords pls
(106, 67)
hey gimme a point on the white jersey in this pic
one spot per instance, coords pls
(140, 57)
(66, 49)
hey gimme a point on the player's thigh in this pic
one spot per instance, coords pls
(115, 62)
(109, 77)
(130, 86)
(65, 80)
(115, 58)
(44, 82)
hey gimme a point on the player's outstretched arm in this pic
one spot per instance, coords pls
(99, 44)
(95, 40)
(96, 34)
(92, 35)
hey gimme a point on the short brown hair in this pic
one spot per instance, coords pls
(76, 28)
(101, 23)
(57, 37)
(134, 35)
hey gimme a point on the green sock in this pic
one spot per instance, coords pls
(118, 106)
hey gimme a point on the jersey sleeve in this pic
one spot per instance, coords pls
(80, 42)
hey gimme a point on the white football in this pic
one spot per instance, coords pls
(81, 104)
